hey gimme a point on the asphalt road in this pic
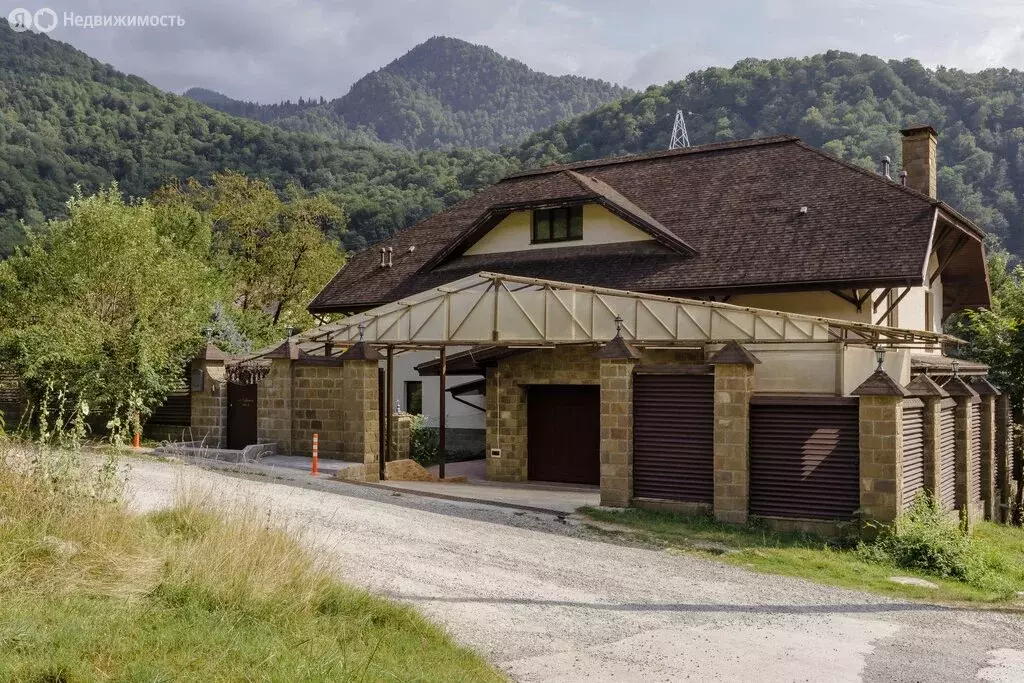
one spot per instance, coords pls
(546, 600)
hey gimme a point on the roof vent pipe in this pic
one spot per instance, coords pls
(886, 163)
(903, 178)
(382, 253)
(391, 256)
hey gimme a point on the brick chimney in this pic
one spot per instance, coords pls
(919, 158)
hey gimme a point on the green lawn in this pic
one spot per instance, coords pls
(832, 562)
(92, 593)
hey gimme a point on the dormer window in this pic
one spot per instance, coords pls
(557, 225)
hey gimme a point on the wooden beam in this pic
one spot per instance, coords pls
(882, 297)
(847, 298)
(441, 421)
(957, 246)
(892, 306)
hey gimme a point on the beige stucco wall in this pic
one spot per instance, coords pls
(796, 368)
(459, 415)
(825, 304)
(859, 362)
(600, 226)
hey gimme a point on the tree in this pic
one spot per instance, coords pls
(996, 334)
(274, 252)
(101, 311)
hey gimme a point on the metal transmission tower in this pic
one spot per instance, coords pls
(679, 136)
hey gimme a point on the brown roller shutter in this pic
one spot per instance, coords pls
(947, 455)
(913, 453)
(176, 410)
(976, 454)
(673, 437)
(805, 459)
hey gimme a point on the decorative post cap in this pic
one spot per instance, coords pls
(984, 387)
(733, 353)
(957, 387)
(880, 384)
(285, 349)
(360, 351)
(618, 349)
(211, 354)
(924, 386)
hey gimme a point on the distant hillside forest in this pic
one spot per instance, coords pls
(443, 93)
(852, 106)
(67, 119)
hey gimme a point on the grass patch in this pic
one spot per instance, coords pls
(91, 592)
(998, 551)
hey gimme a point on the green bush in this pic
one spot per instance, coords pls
(424, 442)
(925, 539)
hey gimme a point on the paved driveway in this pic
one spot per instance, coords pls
(547, 601)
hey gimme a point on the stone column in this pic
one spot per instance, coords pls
(881, 448)
(274, 406)
(209, 416)
(734, 385)
(616, 363)
(966, 400)
(361, 409)
(987, 406)
(931, 394)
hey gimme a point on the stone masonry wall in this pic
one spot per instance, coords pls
(881, 457)
(210, 407)
(318, 403)
(360, 417)
(734, 385)
(616, 431)
(274, 407)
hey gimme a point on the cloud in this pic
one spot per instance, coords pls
(269, 50)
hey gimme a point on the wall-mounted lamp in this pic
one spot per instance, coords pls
(618, 325)
(956, 368)
(362, 330)
(880, 356)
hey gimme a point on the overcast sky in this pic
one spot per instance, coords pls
(267, 51)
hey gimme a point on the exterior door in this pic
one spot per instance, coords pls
(241, 415)
(563, 424)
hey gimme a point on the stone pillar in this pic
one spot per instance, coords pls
(209, 416)
(881, 448)
(616, 431)
(931, 394)
(966, 400)
(616, 361)
(274, 406)
(361, 409)
(1006, 490)
(734, 385)
(989, 491)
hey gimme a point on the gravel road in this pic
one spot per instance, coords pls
(546, 600)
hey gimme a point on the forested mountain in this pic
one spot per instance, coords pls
(444, 92)
(853, 106)
(67, 119)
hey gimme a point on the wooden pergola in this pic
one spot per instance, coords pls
(507, 310)
(492, 309)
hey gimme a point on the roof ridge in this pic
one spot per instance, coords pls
(631, 158)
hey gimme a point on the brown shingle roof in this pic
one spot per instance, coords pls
(737, 205)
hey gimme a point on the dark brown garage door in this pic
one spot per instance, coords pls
(563, 426)
(947, 455)
(674, 437)
(913, 450)
(804, 458)
(976, 483)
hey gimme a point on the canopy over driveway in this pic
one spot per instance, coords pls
(495, 309)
